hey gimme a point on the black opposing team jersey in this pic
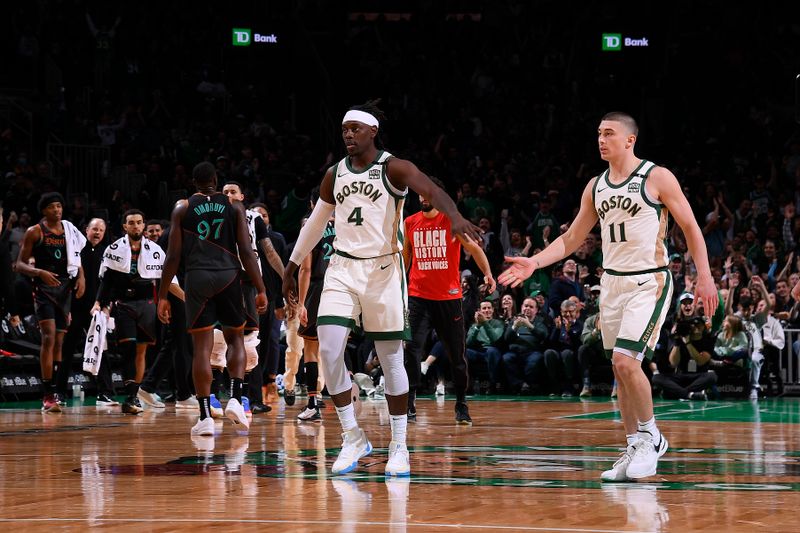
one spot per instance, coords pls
(50, 253)
(209, 234)
(322, 253)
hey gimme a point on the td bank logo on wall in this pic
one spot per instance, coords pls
(614, 42)
(245, 37)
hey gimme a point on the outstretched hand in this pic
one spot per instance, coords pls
(463, 227)
(521, 269)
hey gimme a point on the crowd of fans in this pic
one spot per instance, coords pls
(508, 129)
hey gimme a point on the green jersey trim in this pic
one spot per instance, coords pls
(629, 178)
(354, 171)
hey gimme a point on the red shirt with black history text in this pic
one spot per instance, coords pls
(434, 273)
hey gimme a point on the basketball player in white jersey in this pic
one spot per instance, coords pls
(632, 200)
(365, 279)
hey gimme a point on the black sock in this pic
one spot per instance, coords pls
(236, 389)
(131, 388)
(205, 406)
(412, 397)
(312, 376)
(312, 400)
(47, 387)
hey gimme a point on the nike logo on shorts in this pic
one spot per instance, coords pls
(642, 283)
(384, 267)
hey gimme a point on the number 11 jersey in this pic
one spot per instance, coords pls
(633, 226)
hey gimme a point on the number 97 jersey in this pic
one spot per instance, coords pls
(633, 226)
(209, 234)
(369, 210)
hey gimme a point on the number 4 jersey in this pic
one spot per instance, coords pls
(633, 226)
(209, 234)
(369, 210)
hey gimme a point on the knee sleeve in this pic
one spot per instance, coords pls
(390, 354)
(332, 342)
(251, 342)
(218, 358)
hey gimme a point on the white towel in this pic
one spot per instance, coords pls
(117, 256)
(75, 242)
(96, 342)
(251, 215)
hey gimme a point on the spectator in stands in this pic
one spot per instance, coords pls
(484, 340)
(561, 359)
(731, 344)
(752, 322)
(526, 337)
(508, 309)
(564, 286)
(688, 375)
(544, 228)
(590, 352)
(676, 267)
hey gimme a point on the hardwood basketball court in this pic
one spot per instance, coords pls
(526, 465)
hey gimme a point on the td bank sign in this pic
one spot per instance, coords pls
(245, 37)
(614, 42)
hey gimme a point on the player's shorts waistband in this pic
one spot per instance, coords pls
(345, 254)
(635, 273)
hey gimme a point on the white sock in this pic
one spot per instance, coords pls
(347, 417)
(649, 431)
(398, 424)
(631, 438)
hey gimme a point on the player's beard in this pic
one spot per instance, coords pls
(135, 237)
(426, 207)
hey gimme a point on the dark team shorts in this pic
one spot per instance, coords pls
(309, 331)
(213, 297)
(250, 312)
(53, 303)
(135, 321)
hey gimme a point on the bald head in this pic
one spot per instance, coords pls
(95, 231)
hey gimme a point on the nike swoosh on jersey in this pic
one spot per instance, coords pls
(340, 175)
(642, 283)
(384, 267)
(601, 190)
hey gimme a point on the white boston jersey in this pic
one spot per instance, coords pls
(369, 210)
(633, 226)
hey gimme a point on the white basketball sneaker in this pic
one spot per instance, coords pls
(398, 463)
(645, 457)
(204, 427)
(355, 445)
(620, 467)
(235, 413)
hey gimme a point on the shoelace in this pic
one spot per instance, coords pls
(644, 447)
(627, 454)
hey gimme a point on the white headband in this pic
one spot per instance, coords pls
(360, 116)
